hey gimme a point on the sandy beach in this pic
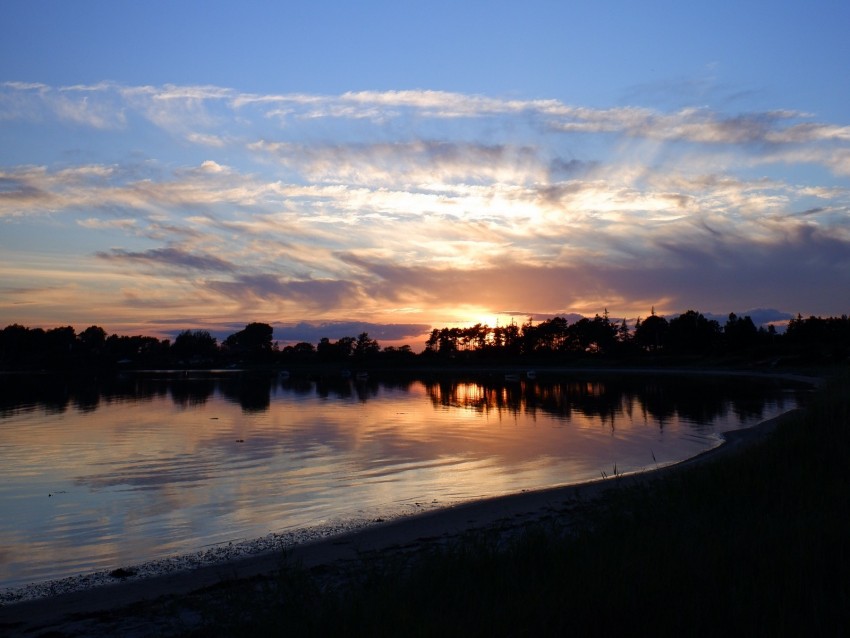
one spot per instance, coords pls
(133, 607)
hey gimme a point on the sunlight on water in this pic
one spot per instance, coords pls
(101, 477)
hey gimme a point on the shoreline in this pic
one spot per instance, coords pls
(501, 514)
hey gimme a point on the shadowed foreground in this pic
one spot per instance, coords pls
(752, 539)
(752, 543)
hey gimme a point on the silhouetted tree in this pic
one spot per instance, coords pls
(651, 333)
(432, 343)
(91, 347)
(253, 342)
(92, 340)
(740, 333)
(625, 339)
(136, 349)
(338, 351)
(345, 346)
(597, 335)
(528, 337)
(399, 355)
(480, 335)
(15, 344)
(301, 352)
(195, 344)
(365, 348)
(553, 335)
(443, 342)
(325, 349)
(60, 345)
(820, 337)
(692, 333)
(507, 339)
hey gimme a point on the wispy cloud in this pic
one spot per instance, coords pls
(420, 162)
(169, 258)
(312, 332)
(206, 105)
(311, 296)
(359, 205)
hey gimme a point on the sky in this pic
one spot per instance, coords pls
(391, 167)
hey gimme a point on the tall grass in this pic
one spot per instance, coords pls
(755, 543)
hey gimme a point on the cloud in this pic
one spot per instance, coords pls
(96, 106)
(38, 190)
(711, 273)
(102, 224)
(362, 204)
(310, 295)
(836, 159)
(17, 192)
(210, 166)
(220, 117)
(699, 125)
(416, 162)
(81, 110)
(207, 139)
(168, 258)
(168, 103)
(312, 332)
(383, 105)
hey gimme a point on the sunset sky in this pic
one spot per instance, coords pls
(334, 167)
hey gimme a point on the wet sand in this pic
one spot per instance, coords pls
(130, 607)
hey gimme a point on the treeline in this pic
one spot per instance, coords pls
(23, 348)
(689, 334)
(554, 340)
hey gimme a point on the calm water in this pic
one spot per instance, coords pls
(101, 474)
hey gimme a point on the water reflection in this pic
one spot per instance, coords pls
(606, 396)
(96, 472)
(658, 398)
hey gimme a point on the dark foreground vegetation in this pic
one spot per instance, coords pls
(555, 341)
(752, 544)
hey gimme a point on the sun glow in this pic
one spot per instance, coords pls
(485, 320)
(468, 317)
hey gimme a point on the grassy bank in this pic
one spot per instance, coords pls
(755, 544)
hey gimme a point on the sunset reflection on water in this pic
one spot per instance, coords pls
(96, 478)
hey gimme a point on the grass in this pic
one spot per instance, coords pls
(756, 544)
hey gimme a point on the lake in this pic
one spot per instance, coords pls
(101, 473)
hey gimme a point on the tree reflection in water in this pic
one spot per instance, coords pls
(661, 397)
(606, 396)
